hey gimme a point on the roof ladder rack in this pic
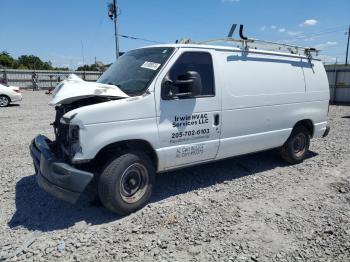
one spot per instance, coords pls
(249, 42)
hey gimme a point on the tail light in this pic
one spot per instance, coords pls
(17, 90)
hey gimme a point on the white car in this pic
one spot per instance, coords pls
(170, 106)
(9, 94)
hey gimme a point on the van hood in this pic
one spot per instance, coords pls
(74, 88)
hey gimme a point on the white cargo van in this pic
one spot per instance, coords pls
(170, 106)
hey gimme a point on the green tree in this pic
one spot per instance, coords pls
(91, 67)
(61, 68)
(33, 62)
(21, 67)
(6, 60)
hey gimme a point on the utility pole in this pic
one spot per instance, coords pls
(82, 51)
(335, 81)
(113, 15)
(347, 49)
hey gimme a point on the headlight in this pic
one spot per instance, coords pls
(74, 134)
(73, 140)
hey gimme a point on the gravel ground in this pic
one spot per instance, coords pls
(250, 208)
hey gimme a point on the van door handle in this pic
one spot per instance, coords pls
(216, 119)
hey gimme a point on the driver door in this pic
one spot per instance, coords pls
(189, 126)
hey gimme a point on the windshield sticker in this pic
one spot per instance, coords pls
(150, 65)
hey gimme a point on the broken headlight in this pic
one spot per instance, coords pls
(73, 133)
(73, 140)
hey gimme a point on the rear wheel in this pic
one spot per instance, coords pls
(296, 147)
(4, 101)
(125, 184)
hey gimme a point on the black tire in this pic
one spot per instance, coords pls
(125, 184)
(296, 147)
(4, 101)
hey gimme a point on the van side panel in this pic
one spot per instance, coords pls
(317, 90)
(263, 97)
(124, 121)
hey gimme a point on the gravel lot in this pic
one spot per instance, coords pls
(250, 208)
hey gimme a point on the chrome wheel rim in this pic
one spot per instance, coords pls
(133, 183)
(4, 101)
(299, 144)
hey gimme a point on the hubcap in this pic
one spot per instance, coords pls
(299, 144)
(133, 184)
(3, 101)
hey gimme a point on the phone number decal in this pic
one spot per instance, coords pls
(190, 133)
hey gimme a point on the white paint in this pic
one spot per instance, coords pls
(75, 88)
(259, 96)
(166, 110)
(11, 93)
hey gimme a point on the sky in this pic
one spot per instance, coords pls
(73, 32)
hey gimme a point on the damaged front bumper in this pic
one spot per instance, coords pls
(54, 176)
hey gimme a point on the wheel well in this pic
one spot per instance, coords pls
(6, 96)
(307, 123)
(117, 148)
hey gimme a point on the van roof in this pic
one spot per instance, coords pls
(231, 49)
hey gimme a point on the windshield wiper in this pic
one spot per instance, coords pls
(127, 91)
(110, 83)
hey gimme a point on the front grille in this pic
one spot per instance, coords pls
(62, 134)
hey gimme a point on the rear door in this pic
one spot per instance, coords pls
(189, 128)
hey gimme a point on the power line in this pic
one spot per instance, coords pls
(318, 33)
(338, 54)
(138, 38)
(326, 30)
(313, 36)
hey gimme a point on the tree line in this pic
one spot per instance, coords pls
(33, 62)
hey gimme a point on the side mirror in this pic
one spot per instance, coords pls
(186, 85)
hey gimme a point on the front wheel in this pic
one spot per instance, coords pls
(125, 184)
(296, 147)
(4, 101)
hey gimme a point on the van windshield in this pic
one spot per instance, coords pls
(134, 71)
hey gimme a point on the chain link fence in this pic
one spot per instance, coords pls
(339, 84)
(338, 77)
(45, 79)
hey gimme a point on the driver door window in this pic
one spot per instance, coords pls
(200, 62)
